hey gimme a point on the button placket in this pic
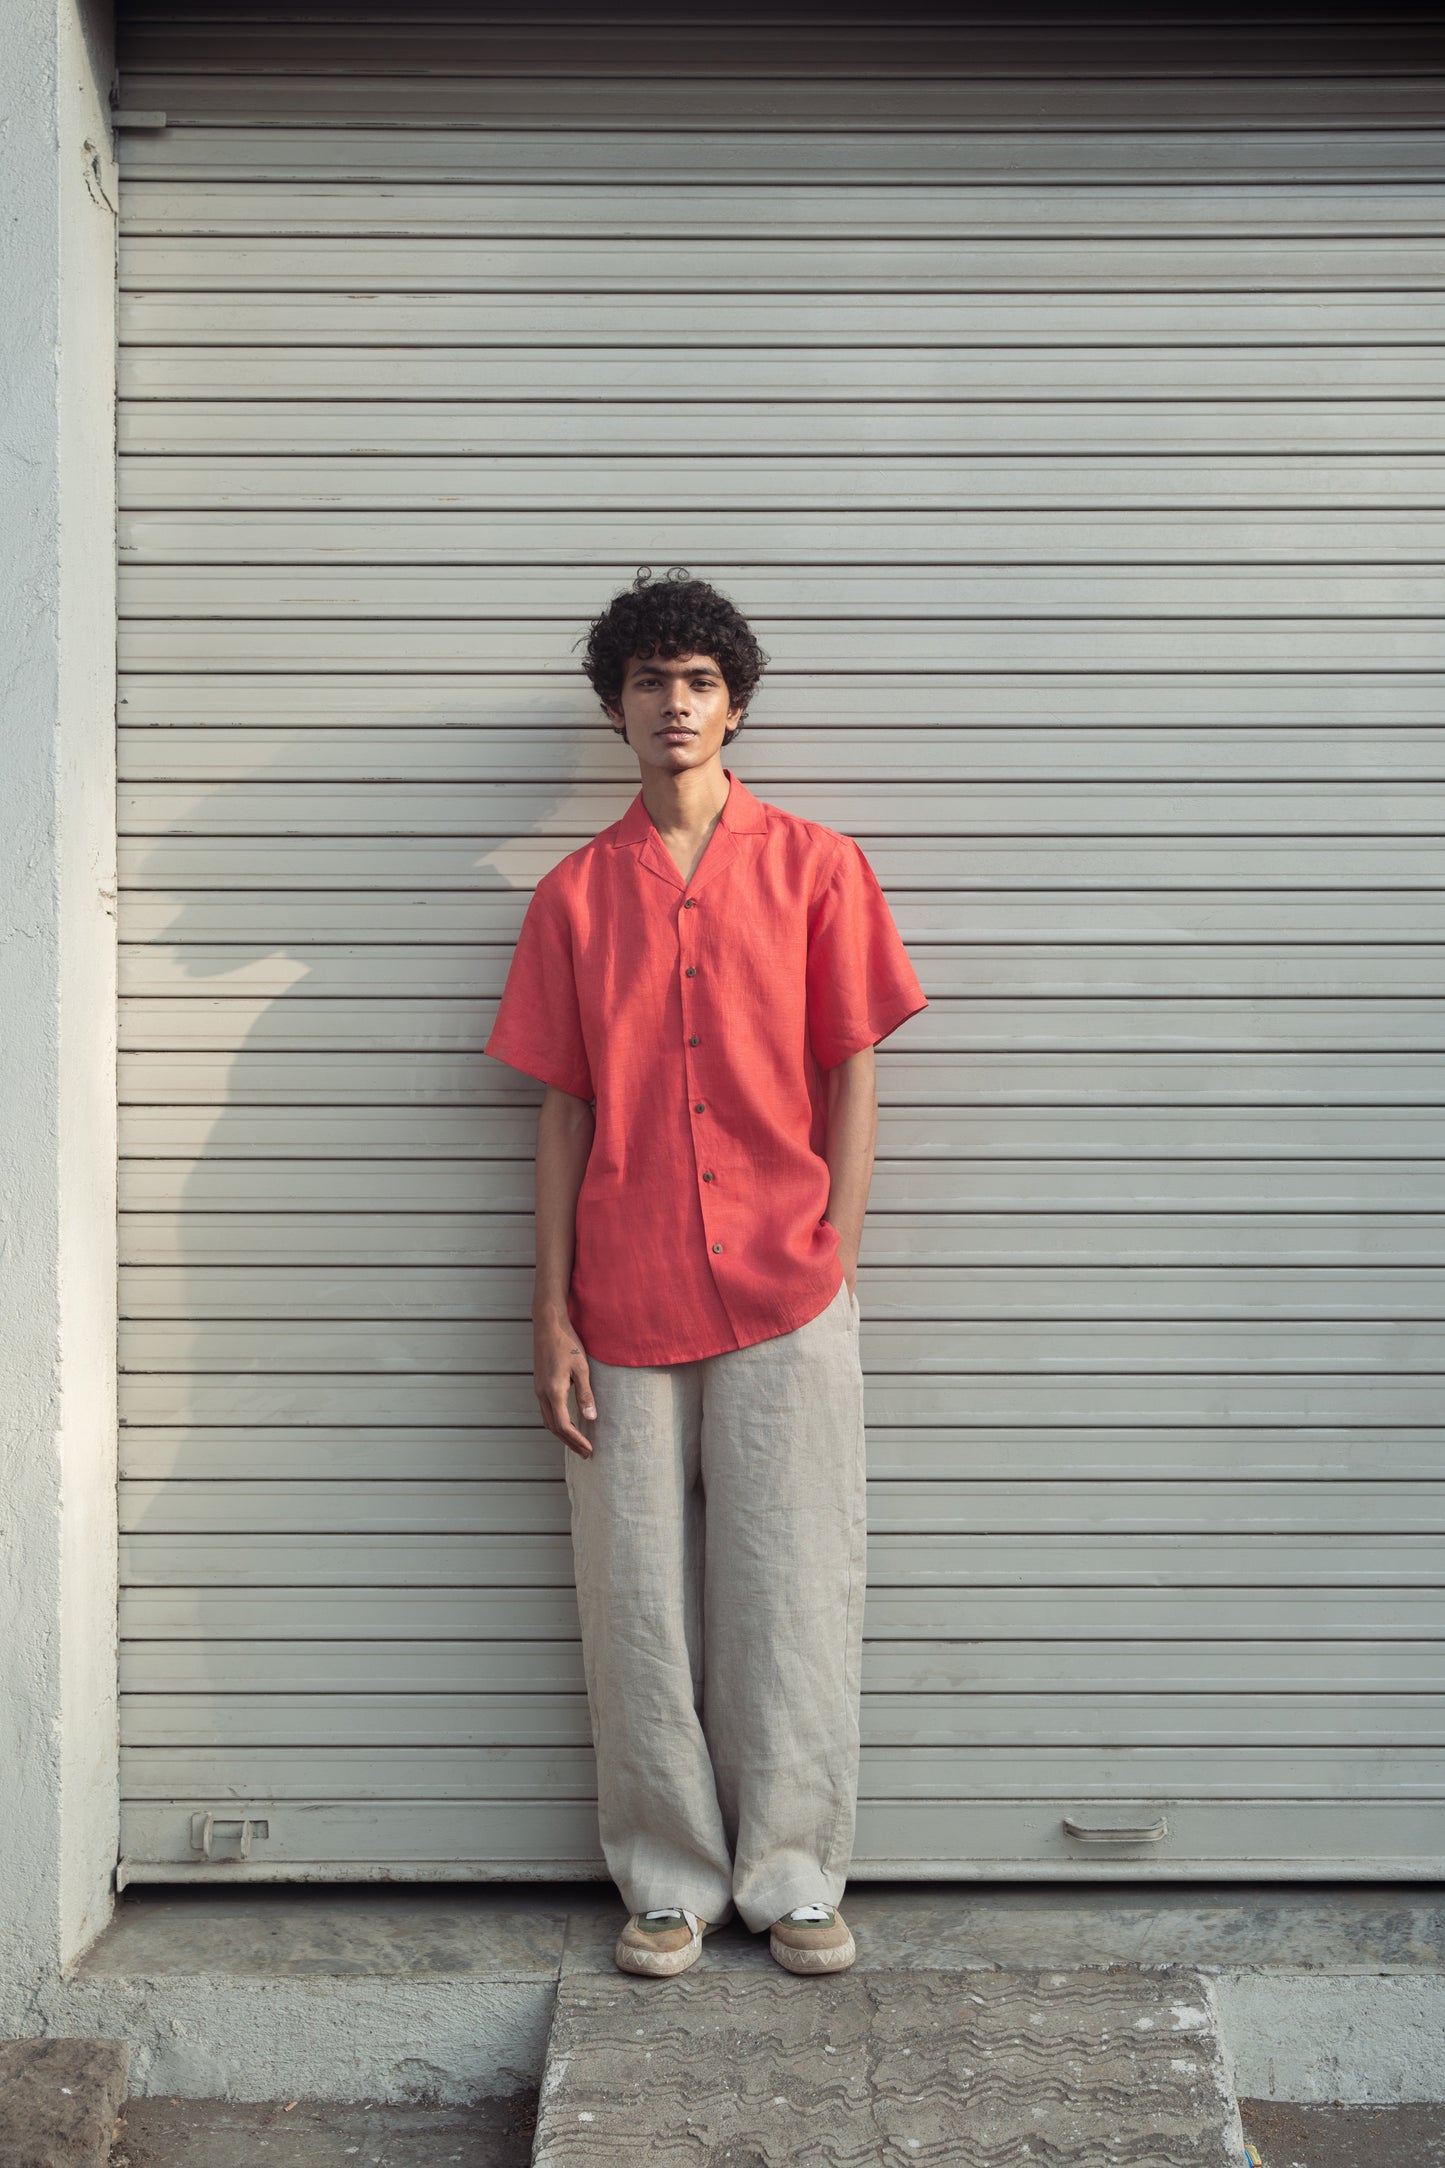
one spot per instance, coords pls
(690, 971)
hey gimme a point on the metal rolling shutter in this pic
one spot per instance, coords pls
(1067, 415)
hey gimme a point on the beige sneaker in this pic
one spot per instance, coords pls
(812, 1938)
(659, 1943)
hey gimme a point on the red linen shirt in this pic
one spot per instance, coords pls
(700, 1016)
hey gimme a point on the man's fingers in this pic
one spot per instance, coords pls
(571, 1437)
(583, 1382)
(559, 1422)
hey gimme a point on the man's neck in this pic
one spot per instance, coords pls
(686, 807)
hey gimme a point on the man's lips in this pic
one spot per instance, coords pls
(676, 730)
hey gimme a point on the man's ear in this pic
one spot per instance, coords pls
(616, 721)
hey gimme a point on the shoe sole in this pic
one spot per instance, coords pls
(657, 1964)
(813, 1961)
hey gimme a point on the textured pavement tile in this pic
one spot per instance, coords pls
(744, 2070)
(1339, 2136)
(59, 2101)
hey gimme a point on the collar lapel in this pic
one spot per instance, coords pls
(742, 814)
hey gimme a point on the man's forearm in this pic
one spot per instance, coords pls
(565, 1129)
(852, 1141)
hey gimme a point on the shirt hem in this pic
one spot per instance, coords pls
(734, 1347)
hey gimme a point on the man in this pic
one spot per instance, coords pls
(700, 989)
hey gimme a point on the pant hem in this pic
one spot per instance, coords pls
(714, 1909)
(760, 1913)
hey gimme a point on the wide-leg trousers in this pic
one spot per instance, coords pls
(719, 1540)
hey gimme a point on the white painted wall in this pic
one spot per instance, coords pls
(58, 1789)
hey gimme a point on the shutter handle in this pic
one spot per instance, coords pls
(1140, 1833)
(204, 1827)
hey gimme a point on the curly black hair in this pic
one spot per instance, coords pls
(674, 615)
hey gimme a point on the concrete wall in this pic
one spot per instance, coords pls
(58, 1788)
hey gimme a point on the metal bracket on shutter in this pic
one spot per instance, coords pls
(204, 1827)
(1138, 1833)
(137, 120)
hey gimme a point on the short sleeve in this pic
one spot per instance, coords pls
(861, 984)
(538, 1027)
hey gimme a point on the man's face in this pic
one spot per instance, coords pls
(676, 709)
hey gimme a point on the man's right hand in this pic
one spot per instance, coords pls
(559, 1364)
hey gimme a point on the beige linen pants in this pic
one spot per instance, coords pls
(719, 1536)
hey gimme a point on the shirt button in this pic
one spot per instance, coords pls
(717, 1245)
(692, 971)
(698, 1107)
(708, 1177)
(694, 1040)
(689, 903)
